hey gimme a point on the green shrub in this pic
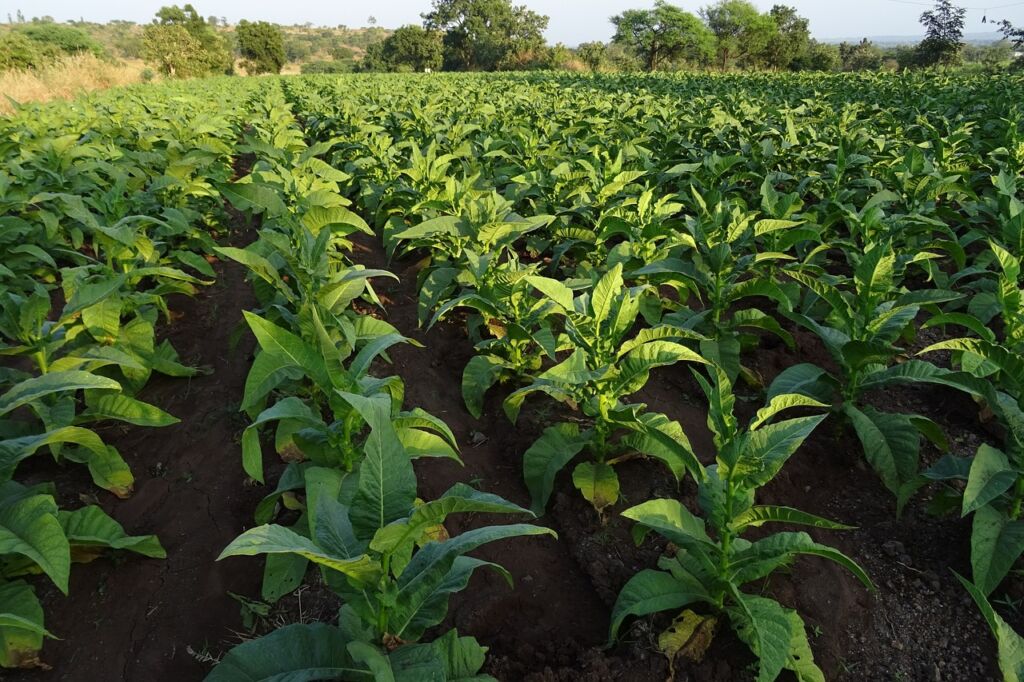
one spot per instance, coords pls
(18, 52)
(327, 67)
(61, 38)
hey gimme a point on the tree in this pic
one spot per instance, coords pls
(1013, 35)
(174, 52)
(592, 54)
(484, 35)
(742, 33)
(621, 59)
(944, 32)
(663, 34)
(409, 48)
(212, 55)
(341, 52)
(818, 57)
(261, 44)
(862, 56)
(791, 40)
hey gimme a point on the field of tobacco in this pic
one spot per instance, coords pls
(530, 377)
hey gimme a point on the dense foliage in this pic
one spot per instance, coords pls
(586, 232)
(261, 45)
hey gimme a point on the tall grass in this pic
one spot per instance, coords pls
(65, 79)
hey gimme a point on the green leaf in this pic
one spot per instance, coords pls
(1011, 364)
(463, 656)
(429, 569)
(258, 265)
(121, 407)
(459, 499)
(103, 320)
(442, 225)
(649, 592)
(387, 483)
(991, 475)
(318, 217)
(48, 384)
(875, 271)
(670, 519)
(360, 364)
(890, 441)
(255, 198)
(547, 456)
(637, 364)
(267, 372)
(288, 348)
(1010, 644)
(107, 468)
(765, 627)
(655, 435)
(554, 290)
(996, 544)
(607, 289)
(274, 539)
(803, 379)
(296, 653)
(21, 625)
(481, 372)
(781, 402)
(434, 607)
(598, 482)
(89, 529)
(14, 450)
(29, 527)
(762, 556)
(282, 574)
(827, 292)
(800, 658)
(768, 448)
(756, 517)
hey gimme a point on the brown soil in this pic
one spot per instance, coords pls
(144, 616)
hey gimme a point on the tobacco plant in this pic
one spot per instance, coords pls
(462, 249)
(315, 422)
(512, 329)
(605, 366)
(861, 330)
(710, 561)
(387, 556)
(723, 269)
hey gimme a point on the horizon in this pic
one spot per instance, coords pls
(828, 23)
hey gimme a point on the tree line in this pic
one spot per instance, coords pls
(493, 35)
(486, 35)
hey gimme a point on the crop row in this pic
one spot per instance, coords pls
(105, 212)
(349, 442)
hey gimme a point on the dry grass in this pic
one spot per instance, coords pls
(66, 79)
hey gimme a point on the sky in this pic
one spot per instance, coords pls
(572, 21)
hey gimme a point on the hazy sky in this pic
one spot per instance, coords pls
(572, 21)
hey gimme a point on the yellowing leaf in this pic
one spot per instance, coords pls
(689, 636)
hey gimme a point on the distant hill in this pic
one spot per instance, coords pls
(891, 41)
